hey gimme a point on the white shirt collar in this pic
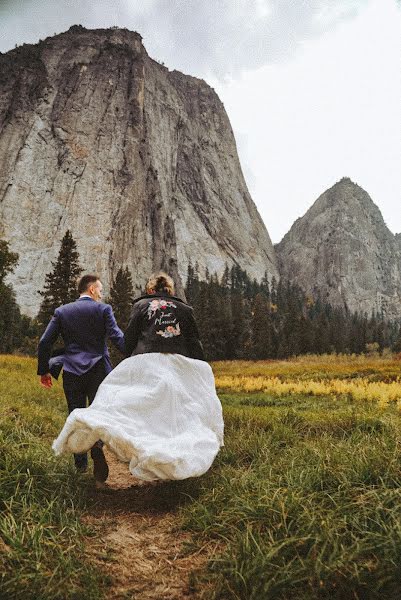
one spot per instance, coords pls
(86, 296)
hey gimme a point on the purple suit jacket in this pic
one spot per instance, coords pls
(84, 326)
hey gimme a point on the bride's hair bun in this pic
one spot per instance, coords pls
(160, 283)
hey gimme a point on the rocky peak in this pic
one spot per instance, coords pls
(343, 248)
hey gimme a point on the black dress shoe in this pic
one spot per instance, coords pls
(100, 466)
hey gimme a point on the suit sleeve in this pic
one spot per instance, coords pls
(194, 345)
(46, 342)
(131, 335)
(113, 332)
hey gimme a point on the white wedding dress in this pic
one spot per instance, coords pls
(157, 412)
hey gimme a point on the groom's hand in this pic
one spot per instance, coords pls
(46, 380)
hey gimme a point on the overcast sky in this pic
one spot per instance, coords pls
(312, 87)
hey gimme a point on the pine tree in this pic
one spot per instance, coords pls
(265, 285)
(397, 343)
(8, 260)
(260, 328)
(192, 283)
(294, 300)
(202, 310)
(10, 316)
(121, 296)
(61, 284)
(240, 330)
(219, 319)
(10, 320)
(225, 279)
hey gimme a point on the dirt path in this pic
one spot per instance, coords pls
(142, 548)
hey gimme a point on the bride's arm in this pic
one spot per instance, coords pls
(194, 344)
(131, 335)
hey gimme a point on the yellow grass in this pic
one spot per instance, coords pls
(358, 389)
(325, 365)
(374, 379)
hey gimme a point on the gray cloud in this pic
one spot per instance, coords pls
(213, 38)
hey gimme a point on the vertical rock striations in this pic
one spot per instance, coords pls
(140, 163)
(343, 249)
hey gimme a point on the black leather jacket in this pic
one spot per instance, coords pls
(162, 323)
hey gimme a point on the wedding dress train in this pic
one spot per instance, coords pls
(158, 412)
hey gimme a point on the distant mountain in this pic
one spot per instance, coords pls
(139, 162)
(343, 249)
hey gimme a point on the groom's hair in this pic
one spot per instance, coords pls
(85, 282)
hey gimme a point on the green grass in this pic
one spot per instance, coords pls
(305, 502)
(42, 555)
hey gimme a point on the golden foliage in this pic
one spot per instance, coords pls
(360, 378)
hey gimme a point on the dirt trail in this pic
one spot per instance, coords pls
(142, 548)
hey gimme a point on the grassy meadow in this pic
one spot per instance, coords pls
(304, 500)
(41, 498)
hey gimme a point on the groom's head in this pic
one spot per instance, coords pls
(90, 285)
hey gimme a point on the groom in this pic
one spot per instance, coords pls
(84, 326)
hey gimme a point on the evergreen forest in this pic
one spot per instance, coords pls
(238, 317)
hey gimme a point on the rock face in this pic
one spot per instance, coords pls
(342, 248)
(140, 163)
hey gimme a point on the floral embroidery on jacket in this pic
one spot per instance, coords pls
(158, 310)
(170, 331)
(156, 305)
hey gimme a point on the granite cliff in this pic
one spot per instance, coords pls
(343, 249)
(139, 162)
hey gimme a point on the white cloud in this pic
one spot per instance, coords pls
(332, 111)
(216, 37)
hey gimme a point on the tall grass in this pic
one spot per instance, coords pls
(373, 379)
(41, 538)
(303, 503)
(319, 367)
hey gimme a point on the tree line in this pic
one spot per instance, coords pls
(238, 317)
(241, 318)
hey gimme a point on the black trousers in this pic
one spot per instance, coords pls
(80, 391)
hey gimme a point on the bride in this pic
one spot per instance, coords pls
(158, 409)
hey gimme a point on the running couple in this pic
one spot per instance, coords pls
(157, 410)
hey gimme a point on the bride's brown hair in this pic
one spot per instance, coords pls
(160, 283)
